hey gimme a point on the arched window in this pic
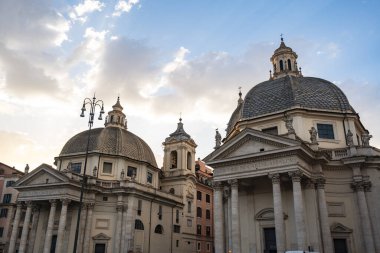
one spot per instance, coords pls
(281, 65)
(139, 225)
(111, 119)
(173, 159)
(159, 229)
(188, 160)
(275, 67)
(289, 65)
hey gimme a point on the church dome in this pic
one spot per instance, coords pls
(294, 92)
(114, 139)
(288, 89)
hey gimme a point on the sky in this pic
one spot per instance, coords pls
(165, 59)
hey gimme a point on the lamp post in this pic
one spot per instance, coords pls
(93, 103)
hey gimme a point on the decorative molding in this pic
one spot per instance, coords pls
(267, 214)
(336, 209)
(361, 186)
(339, 228)
(102, 224)
(275, 178)
(101, 237)
(295, 175)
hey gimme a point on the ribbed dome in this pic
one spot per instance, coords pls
(113, 141)
(287, 93)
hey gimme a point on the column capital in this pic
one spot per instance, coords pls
(90, 205)
(19, 204)
(35, 208)
(29, 204)
(309, 183)
(275, 178)
(217, 185)
(53, 202)
(233, 182)
(119, 208)
(295, 175)
(361, 186)
(65, 202)
(320, 182)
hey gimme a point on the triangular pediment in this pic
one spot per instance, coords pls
(248, 142)
(340, 228)
(101, 237)
(43, 174)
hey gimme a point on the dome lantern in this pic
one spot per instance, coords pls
(284, 61)
(116, 117)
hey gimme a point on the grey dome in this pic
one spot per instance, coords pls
(113, 141)
(290, 92)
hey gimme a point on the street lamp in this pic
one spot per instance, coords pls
(93, 103)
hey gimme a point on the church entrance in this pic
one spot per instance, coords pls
(270, 240)
(340, 246)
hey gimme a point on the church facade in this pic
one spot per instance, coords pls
(295, 170)
(129, 204)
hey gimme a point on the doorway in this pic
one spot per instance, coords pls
(100, 248)
(340, 246)
(270, 240)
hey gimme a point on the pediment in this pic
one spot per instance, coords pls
(44, 174)
(340, 228)
(101, 237)
(248, 142)
(267, 214)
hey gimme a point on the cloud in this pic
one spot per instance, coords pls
(124, 6)
(31, 25)
(86, 7)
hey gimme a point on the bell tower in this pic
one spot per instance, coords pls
(284, 61)
(179, 153)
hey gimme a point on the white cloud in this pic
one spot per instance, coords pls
(88, 6)
(124, 6)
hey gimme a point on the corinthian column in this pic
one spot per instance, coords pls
(62, 225)
(298, 209)
(218, 218)
(33, 230)
(12, 241)
(87, 232)
(278, 213)
(235, 222)
(82, 225)
(119, 210)
(359, 187)
(25, 228)
(50, 226)
(325, 227)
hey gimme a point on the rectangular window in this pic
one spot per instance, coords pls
(189, 206)
(10, 183)
(270, 130)
(208, 214)
(176, 216)
(139, 206)
(208, 248)
(4, 212)
(199, 195)
(160, 212)
(76, 167)
(100, 248)
(325, 131)
(1, 231)
(19, 232)
(189, 223)
(208, 200)
(107, 168)
(208, 231)
(199, 229)
(199, 212)
(7, 198)
(149, 177)
(198, 246)
(131, 172)
(177, 243)
(176, 228)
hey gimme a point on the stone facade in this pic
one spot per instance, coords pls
(129, 205)
(291, 177)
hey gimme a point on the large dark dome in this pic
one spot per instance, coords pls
(290, 92)
(113, 141)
